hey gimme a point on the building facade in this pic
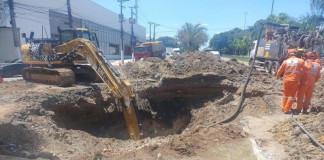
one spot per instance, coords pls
(43, 17)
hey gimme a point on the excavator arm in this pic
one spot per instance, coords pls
(121, 88)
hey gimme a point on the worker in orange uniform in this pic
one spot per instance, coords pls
(291, 69)
(302, 86)
(1, 79)
(307, 84)
(318, 60)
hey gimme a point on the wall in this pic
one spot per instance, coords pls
(32, 14)
(8, 51)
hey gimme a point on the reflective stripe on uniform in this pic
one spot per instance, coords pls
(291, 99)
(285, 97)
(313, 70)
(292, 62)
(301, 100)
(291, 71)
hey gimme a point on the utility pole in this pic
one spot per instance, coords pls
(133, 40)
(272, 8)
(121, 20)
(155, 25)
(150, 23)
(13, 23)
(136, 12)
(68, 2)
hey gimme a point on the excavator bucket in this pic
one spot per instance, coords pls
(131, 118)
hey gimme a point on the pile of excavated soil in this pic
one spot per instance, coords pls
(177, 98)
(183, 65)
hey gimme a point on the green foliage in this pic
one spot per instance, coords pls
(191, 37)
(282, 18)
(235, 41)
(317, 7)
(311, 21)
(239, 42)
(168, 41)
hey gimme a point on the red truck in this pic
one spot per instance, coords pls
(149, 49)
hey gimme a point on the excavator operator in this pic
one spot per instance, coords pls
(307, 84)
(291, 69)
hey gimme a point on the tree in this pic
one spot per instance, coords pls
(235, 41)
(283, 18)
(191, 37)
(168, 41)
(311, 21)
(317, 7)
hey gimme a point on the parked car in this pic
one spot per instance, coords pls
(213, 52)
(12, 69)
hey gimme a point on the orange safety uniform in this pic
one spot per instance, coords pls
(292, 69)
(318, 61)
(307, 85)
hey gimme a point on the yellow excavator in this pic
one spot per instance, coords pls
(76, 52)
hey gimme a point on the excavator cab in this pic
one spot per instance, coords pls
(67, 35)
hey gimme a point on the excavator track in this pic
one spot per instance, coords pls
(58, 76)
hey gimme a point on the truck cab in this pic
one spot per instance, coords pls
(150, 49)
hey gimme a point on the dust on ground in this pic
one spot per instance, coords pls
(177, 98)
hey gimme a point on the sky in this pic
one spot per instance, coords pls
(216, 15)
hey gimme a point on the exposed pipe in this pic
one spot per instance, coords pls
(308, 134)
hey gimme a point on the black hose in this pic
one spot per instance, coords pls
(308, 134)
(239, 108)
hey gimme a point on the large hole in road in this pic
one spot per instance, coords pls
(170, 106)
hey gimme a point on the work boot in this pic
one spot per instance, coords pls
(313, 109)
(286, 112)
(304, 111)
(296, 111)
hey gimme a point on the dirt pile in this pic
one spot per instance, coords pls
(153, 70)
(318, 97)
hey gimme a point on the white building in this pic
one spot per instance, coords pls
(44, 16)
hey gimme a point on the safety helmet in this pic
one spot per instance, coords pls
(310, 55)
(291, 52)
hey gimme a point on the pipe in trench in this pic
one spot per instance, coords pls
(308, 134)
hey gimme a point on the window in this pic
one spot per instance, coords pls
(66, 36)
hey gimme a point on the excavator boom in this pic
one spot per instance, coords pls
(65, 54)
(122, 89)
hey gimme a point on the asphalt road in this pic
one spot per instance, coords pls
(18, 77)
